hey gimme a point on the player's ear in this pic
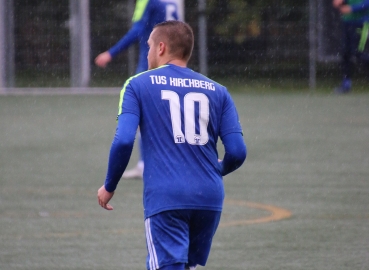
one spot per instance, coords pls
(162, 48)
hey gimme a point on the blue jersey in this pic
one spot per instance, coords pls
(147, 14)
(181, 115)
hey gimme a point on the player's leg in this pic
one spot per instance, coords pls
(346, 64)
(203, 226)
(167, 239)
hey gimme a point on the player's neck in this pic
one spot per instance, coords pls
(177, 62)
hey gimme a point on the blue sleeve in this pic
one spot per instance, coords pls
(360, 6)
(229, 120)
(235, 153)
(132, 35)
(121, 149)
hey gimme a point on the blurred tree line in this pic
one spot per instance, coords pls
(240, 19)
(243, 35)
(255, 35)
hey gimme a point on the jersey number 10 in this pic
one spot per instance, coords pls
(189, 117)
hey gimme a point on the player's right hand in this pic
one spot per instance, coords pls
(103, 59)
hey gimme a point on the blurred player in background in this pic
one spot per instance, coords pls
(355, 20)
(181, 114)
(147, 14)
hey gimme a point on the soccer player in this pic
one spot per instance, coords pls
(147, 14)
(355, 15)
(181, 114)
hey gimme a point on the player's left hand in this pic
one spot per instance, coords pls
(104, 196)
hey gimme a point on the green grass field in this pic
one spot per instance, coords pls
(308, 155)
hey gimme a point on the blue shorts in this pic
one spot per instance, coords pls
(180, 236)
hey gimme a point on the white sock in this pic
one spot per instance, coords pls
(140, 164)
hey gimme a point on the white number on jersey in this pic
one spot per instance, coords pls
(189, 117)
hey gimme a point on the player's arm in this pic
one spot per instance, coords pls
(140, 18)
(140, 22)
(132, 36)
(231, 136)
(121, 149)
(235, 152)
(120, 153)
